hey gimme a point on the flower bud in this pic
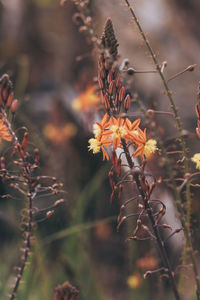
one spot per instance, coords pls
(100, 81)
(127, 102)
(111, 88)
(10, 99)
(121, 94)
(14, 106)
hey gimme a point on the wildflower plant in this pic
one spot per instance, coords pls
(129, 146)
(19, 172)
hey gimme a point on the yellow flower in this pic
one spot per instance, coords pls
(196, 160)
(95, 145)
(134, 281)
(150, 148)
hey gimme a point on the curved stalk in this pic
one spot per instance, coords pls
(184, 219)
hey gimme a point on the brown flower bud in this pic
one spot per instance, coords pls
(116, 100)
(10, 99)
(121, 94)
(111, 88)
(197, 110)
(2, 162)
(118, 81)
(14, 106)
(20, 151)
(107, 103)
(109, 77)
(198, 132)
(107, 64)
(102, 97)
(127, 102)
(49, 213)
(100, 81)
(113, 68)
(58, 202)
(25, 140)
(102, 73)
(36, 151)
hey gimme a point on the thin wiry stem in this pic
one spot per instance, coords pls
(27, 173)
(148, 209)
(185, 220)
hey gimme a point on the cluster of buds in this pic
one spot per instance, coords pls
(66, 292)
(113, 129)
(113, 93)
(6, 94)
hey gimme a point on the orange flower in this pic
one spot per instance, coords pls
(59, 134)
(111, 132)
(145, 148)
(4, 132)
(117, 131)
(99, 127)
(86, 100)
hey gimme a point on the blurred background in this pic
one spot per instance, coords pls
(52, 65)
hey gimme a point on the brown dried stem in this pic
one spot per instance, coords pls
(27, 174)
(184, 219)
(148, 209)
